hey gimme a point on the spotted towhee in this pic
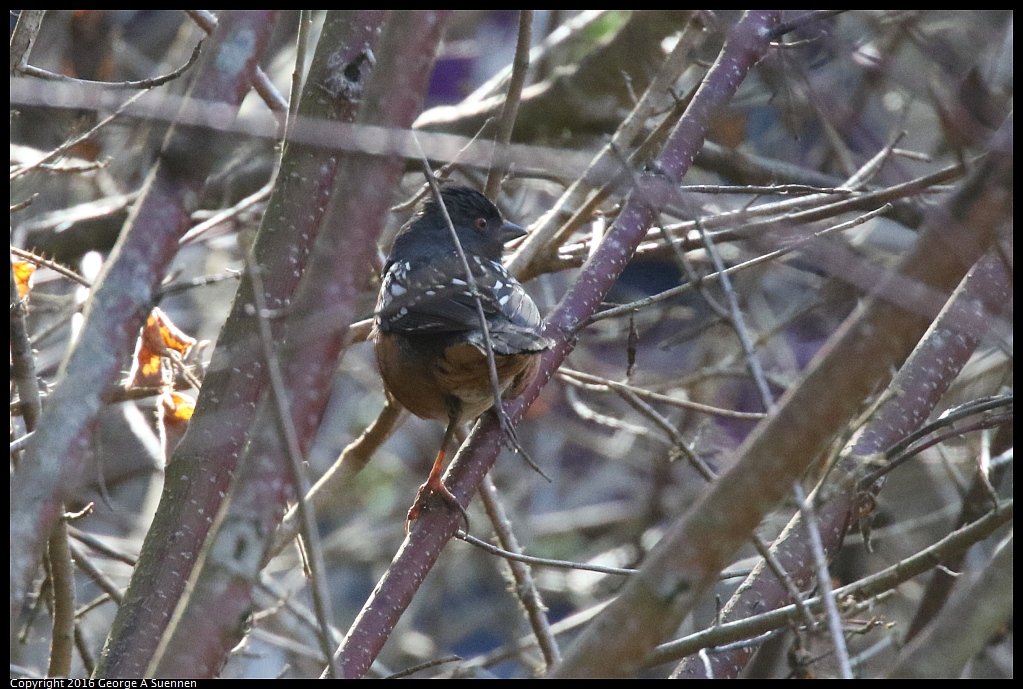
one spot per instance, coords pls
(428, 338)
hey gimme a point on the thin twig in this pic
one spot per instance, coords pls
(986, 422)
(310, 530)
(592, 382)
(22, 205)
(261, 194)
(587, 413)
(815, 207)
(407, 672)
(765, 189)
(668, 428)
(153, 82)
(869, 170)
(23, 363)
(18, 444)
(574, 27)
(701, 467)
(301, 44)
(495, 384)
(88, 661)
(93, 604)
(62, 587)
(200, 281)
(549, 232)
(731, 270)
(525, 587)
(506, 123)
(949, 417)
(74, 141)
(286, 600)
(541, 561)
(516, 647)
(824, 580)
(100, 546)
(59, 568)
(105, 583)
(900, 452)
(442, 172)
(738, 322)
(353, 458)
(868, 586)
(52, 265)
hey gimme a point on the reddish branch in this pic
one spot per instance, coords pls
(119, 305)
(921, 383)
(315, 334)
(747, 43)
(200, 471)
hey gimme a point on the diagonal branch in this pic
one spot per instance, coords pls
(938, 259)
(121, 302)
(314, 336)
(746, 45)
(200, 471)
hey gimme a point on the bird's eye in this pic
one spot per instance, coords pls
(481, 223)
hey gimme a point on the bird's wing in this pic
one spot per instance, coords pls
(435, 298)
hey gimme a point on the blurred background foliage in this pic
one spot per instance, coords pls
(826, 100)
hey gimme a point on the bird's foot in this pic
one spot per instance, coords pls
(430, 494)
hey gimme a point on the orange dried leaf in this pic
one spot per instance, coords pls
(152, 366)
(172, 336)
(177, 406)
(148, 369)
(23, 277)
(173, 413)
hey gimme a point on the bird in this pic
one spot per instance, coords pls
(427, 336)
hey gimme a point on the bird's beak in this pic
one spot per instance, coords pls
(510, 231)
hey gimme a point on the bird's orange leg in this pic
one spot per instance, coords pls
(434, 487)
